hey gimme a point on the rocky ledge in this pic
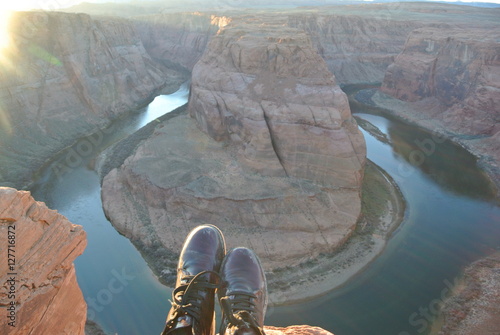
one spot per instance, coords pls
(270, 154)
(475, 304)
(39, 292)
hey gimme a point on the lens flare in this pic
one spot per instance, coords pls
(4, 32)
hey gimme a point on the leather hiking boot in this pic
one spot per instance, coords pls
(193, 298)
(243, 295)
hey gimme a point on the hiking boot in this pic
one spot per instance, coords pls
(243, 295)
(193, 298)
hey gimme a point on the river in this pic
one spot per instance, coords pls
(451, 220)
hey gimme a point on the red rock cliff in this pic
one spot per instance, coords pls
(36, 270)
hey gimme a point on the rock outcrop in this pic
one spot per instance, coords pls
(65, 76)
(39, 291)
(271, 155)
(264, 89)
(475, 304)
(450, 79)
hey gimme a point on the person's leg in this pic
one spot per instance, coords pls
(243, 296)
(192, 311)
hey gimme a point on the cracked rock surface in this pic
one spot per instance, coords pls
(42, 245)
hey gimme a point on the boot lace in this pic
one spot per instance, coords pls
(187, 298)
(239, 309)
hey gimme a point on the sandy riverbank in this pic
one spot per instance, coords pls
(383, 211)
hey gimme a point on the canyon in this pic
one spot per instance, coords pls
(248, 152)
(120, 64)
(269, 149)
(66, 76)
(448, 81)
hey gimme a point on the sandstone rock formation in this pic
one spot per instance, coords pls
(37, 273)
(277, 164)
(65, 76)
(458, 67)
(264, 89)
(475, 305)
(451, 77)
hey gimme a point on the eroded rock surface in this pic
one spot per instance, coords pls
(65, 76)
(450, 79)
(265, 90)
(356, 49)
(178, 40)
(475, 304)
(43, 245)
(271, 155)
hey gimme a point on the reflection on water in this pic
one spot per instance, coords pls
(449, 223)
(438, 158)
(121, 292)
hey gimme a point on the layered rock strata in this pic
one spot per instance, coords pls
(271, 155)
(356, 49)
(359, 42)
(65, 76)
(450, 80)
(265, 90)
(178, 40)
(39, 291)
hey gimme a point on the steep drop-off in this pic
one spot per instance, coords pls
(359, 42)
(449, 81)
(36, 271)
(356, 49)
(271, 155)
(65, 76)
(178, 40)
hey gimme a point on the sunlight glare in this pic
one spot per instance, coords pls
(4, 33)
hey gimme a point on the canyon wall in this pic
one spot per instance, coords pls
(359, 42)
(450, 81)
(458, 67)
(65, 76)
(39, 292)
(178, 40)
(357, 49)
(270, 154)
